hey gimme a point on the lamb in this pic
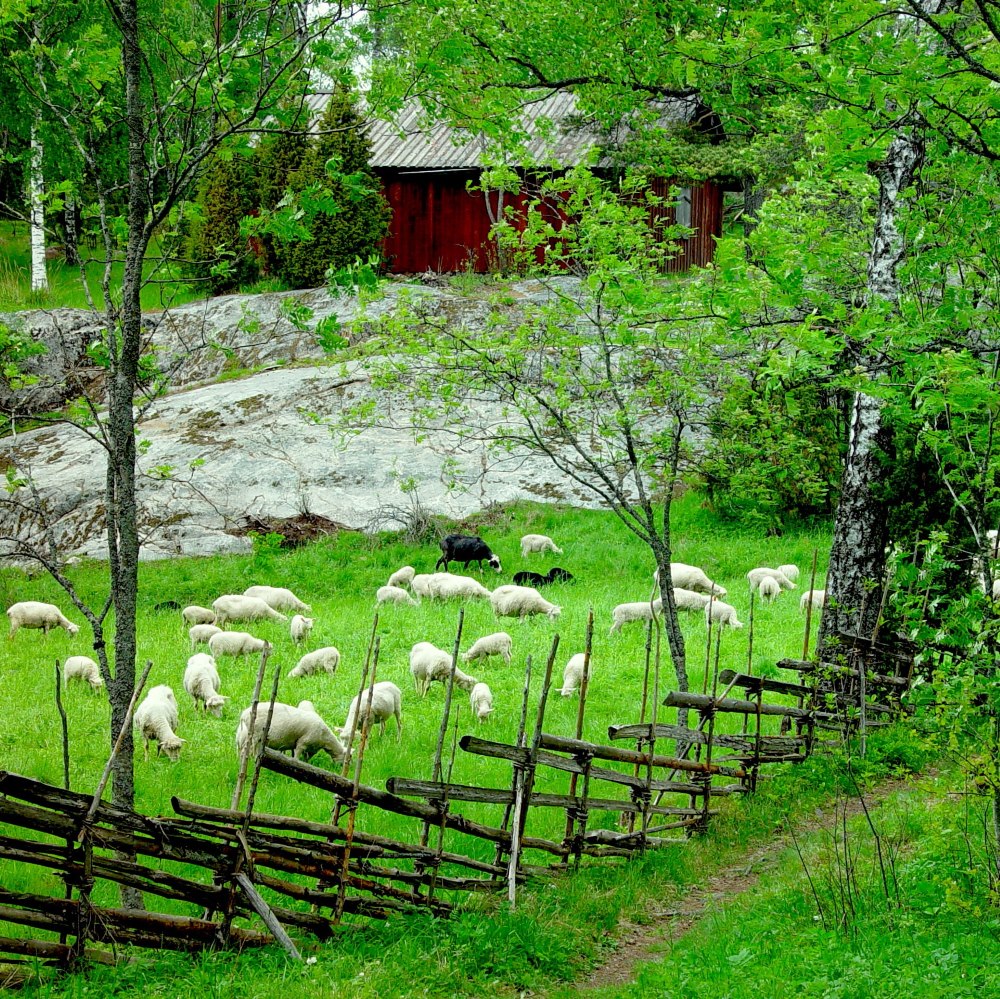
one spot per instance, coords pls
(393, 595)
(201, 633)
(690, 577)
(300, 628)
(756, 575)
(638, 611)
(689, 600)
(277, 597)
(236, 643)
(35, 614)
(816, 597)
(429, 663)
(481, 700)
(325, 660)
(155, 719)
(402, 577)
(497, 644)
(723, 613)
(299, 729)
(386, 702)
(466, 548)
(555, 575)
(201, 681)
(82, 668)
(236, 607)
(521, 601)
(197, 615)
(789, 572)
(535, 543)
(769, 588)
(573, 675)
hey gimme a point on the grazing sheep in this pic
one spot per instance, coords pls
(481, 700)
(690, 577)
(386, 703)
(278, 598)
(554, 575)
(325, 660)
(300, 628)
(201, 681)
(534, 543)
(35, 614)
(722, 613)
(201, 633)
(816, 597)
(393, 595)
(445, 586)
(299, 729)
(401, 577)
(165, 605)
(521, 601)
(466, 548)
(197, 615)
(82, 668)
(637, 611)
(769, 588)
(557, 574)
(789, 572)
(237, 607)
(429, 663)
(497, 644)
(236, 643)
(573, 675)
(156, 719)
(689, 600)
(756, 575)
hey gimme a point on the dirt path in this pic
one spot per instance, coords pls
(645, 943)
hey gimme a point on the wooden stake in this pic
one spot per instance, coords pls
(580, 712)
(812, 588)
(245, 755)
(508, 809)
(65, 728)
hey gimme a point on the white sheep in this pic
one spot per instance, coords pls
(236, 643)
(393, 595)
(156, 719)
(299, 729)
(201, 633)
(521, 601)
(202, 682)
(448, 586)
(421, 582)
(722, 613)
(756, 575)
(573, 675)
(325, 660)
(534, 543)
(429, 663)
(481, 700)
(386, 702)
(277, 597)
(197, 615)
(300, 628)
(789, 572)
(497, 644)
(637, 611)
(690, 577)
(690, 600)
(769, 588)
(237, 607)
(402, 577)
(35, 614)
(996, 589)
(82, 668)
(816, 597)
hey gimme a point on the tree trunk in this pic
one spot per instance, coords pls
(36, 207)
(71, 244)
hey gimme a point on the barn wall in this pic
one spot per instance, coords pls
(706, 220)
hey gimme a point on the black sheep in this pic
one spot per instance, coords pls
(554, 575)
(466, 548)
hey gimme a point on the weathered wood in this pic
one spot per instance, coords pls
(677, 699)
(267, 916)
(748, 682)
(807, 666)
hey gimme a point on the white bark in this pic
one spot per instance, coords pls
(36, 193)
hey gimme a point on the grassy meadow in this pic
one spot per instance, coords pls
(562, 922)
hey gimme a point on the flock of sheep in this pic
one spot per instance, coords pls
(299, 728)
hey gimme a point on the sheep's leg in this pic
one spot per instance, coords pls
(399, 726)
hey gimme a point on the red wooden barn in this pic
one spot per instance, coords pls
(439, 224)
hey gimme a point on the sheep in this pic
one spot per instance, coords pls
(165, 605)
(789, 572)
(82, 668)
(299, 729)
(638, 611)
(429, 663)
(535, 543)
(996, 589)
(466, 548)
(689, 600)
(278, 598)
(769, 588)
(445, 586)
(573, 675)
(197, 615)
(156, 719)
(521, 601)
(35, 614)
(554, 575)
(300, 628)
(690, 577)
(201, 633)
(237, 607)
(325, 660)
(557, 574)
(235, 643)
(393, 595)
(497, 644)
(401, 577)
(756, 575)
(386, 702)
(723, 613)
(816, 597)
(201, 681)
(481, 700)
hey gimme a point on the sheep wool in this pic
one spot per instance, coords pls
(82, 668)
(236, 643)
(325, 660)
(815, 597)
(402, 577)
(393, 595)
(638, 611)
(724, 614)
(237, 607)
(278, 598)
(201, 633)
(194, 614)
(201, 681)
(385, 703)
(35, 614)
(300, 628)
(299, 729)
(156, 720)
(481, 701)
(497, 644)
(532, 544)
(521, 601)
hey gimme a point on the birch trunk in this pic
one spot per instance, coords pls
(36, 209)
